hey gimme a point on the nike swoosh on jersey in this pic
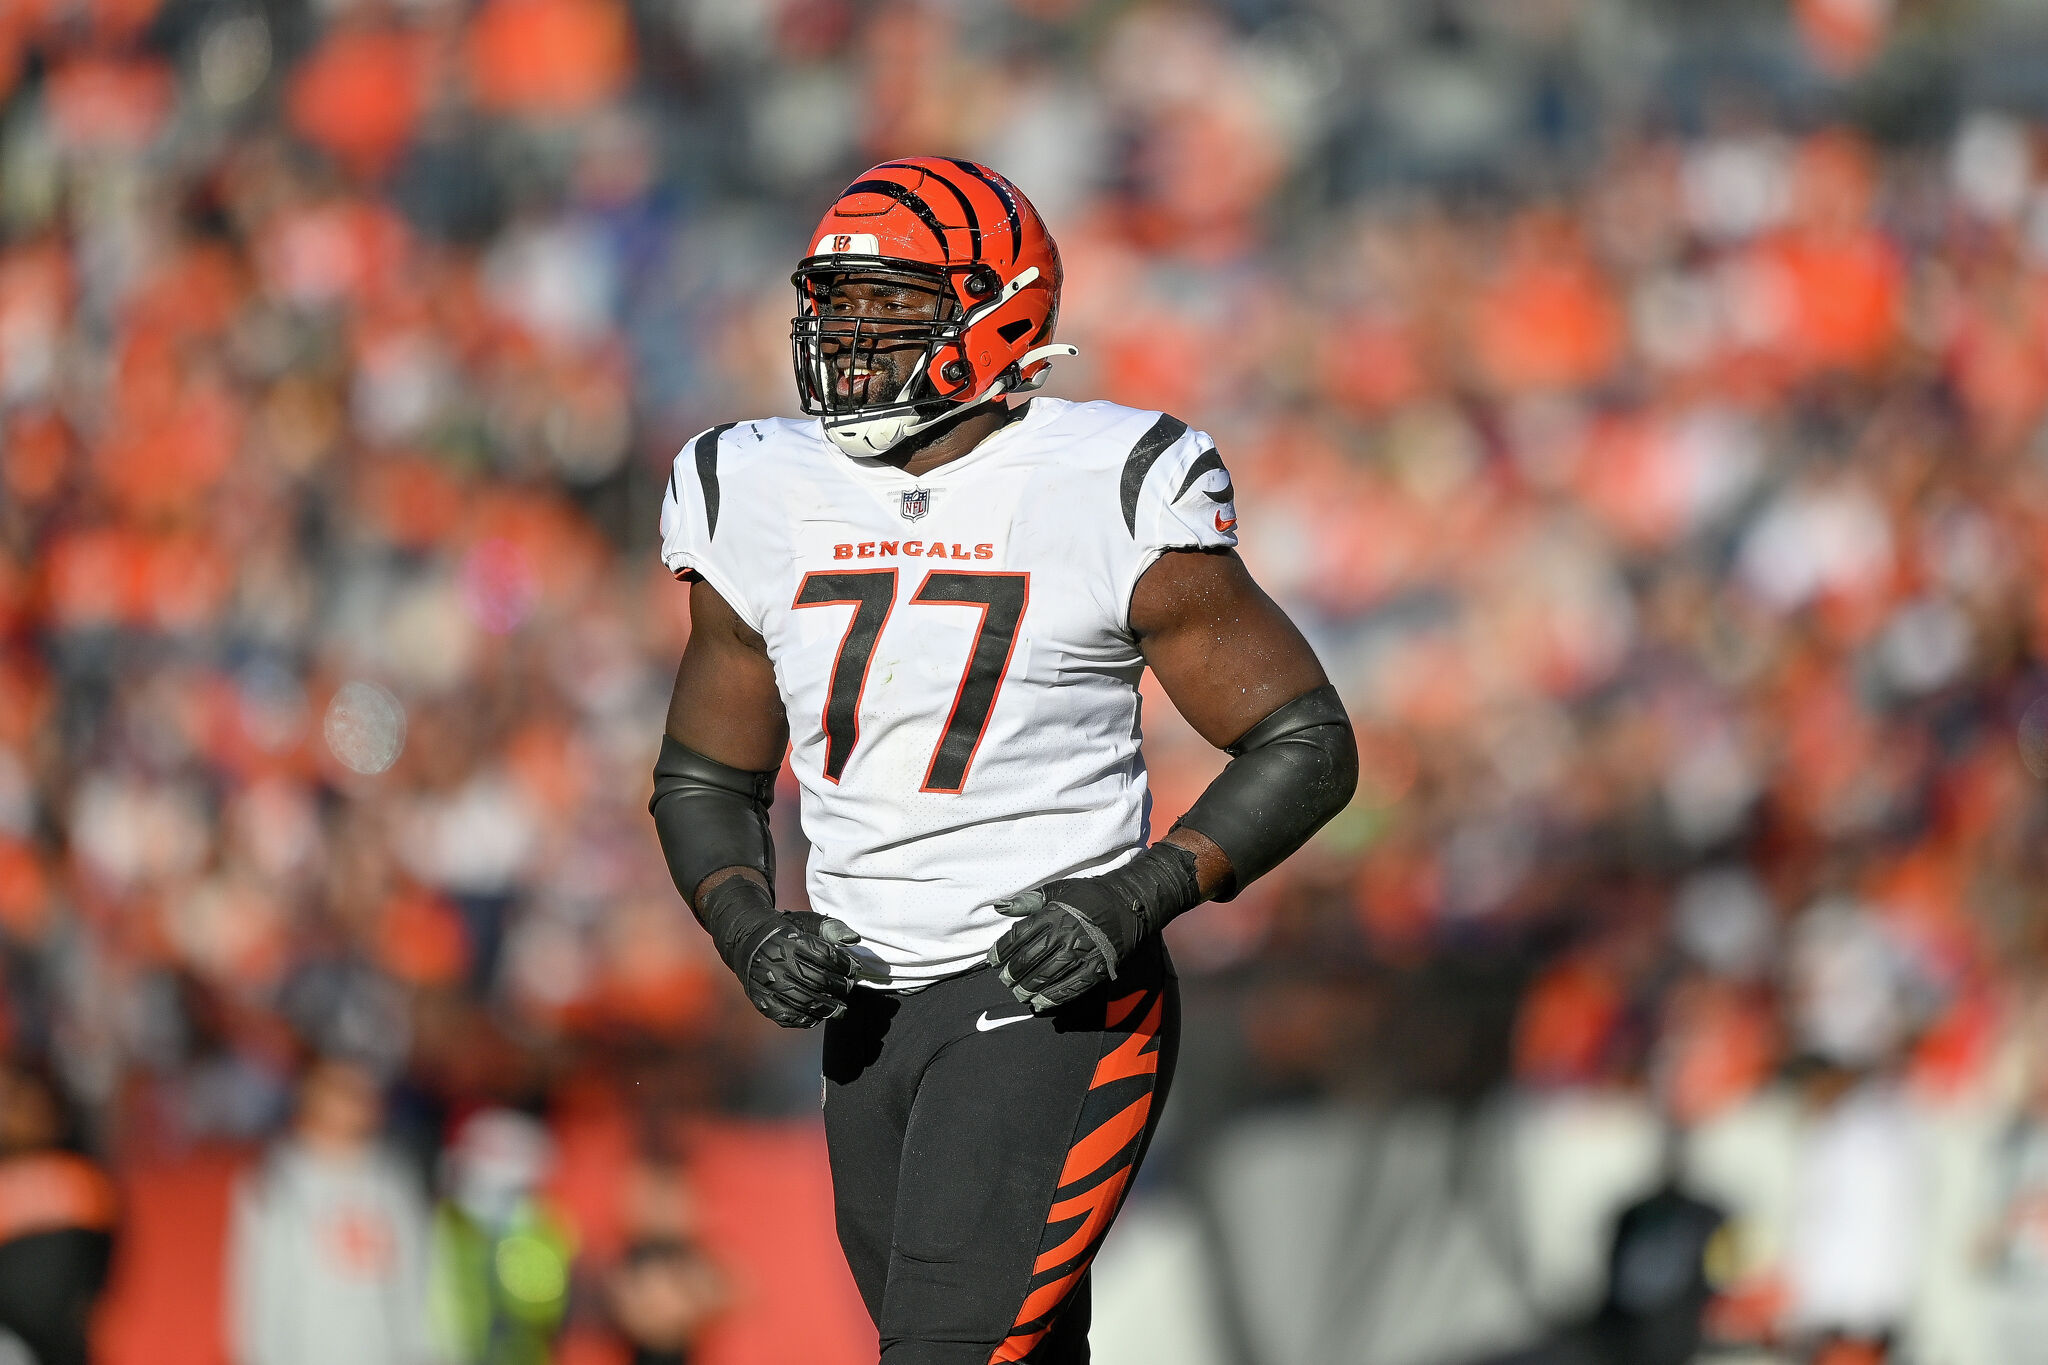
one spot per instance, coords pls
(1224, 527)
(984, 1024)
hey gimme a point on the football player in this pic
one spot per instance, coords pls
(937, 596)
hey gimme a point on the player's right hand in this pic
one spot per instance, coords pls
(793, 966)
(798, 972)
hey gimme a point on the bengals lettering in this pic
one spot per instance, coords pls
(910, 549)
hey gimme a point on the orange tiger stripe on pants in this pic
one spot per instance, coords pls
(1109, 1145)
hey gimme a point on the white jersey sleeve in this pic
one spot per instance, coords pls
(689, 524)
(1176, 496)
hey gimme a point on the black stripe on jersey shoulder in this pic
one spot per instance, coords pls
(707, 474)
(1139, 462)
(1207, 461)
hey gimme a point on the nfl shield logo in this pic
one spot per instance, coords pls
(916, 503)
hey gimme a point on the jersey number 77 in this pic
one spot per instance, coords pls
(871, 593)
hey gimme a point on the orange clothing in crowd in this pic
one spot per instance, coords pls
(548, 57)
(361, 93)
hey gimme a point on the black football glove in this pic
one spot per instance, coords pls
(1074, 933)
(793, 965)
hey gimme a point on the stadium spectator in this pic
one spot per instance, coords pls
(664, 1290)
(2014, 1245)
(328, 1249)
(501, 1254)
(57, 1218)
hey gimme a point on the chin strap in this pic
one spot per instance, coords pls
(1043, 358)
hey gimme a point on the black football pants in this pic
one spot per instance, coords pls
(980, 1151)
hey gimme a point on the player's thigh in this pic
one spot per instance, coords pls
(873, 1057)
(1019, 1151)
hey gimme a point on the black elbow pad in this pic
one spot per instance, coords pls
(710, 817)
(1287, 777)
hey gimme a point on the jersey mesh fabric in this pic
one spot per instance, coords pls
(953, 650)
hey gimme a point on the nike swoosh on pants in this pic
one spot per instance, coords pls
(984, 1024)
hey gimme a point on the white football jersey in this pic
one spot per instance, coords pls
(953, 649)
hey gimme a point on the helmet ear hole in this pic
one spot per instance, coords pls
(955, 371)
(980, 282)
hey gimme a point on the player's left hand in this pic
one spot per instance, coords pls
(1071, 937)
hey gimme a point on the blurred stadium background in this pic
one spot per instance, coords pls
(1641, 403)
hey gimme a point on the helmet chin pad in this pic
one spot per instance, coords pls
(867, 437)
(873, 435)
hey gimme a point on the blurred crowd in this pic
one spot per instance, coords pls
(1642, 406)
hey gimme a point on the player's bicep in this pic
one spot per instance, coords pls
(1226, 653)
(725, 705)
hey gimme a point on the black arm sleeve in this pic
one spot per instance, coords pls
(1288, 775)
(710, 817)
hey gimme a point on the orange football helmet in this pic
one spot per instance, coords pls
(994, 272)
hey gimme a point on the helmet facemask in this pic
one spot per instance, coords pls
(841, 358)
